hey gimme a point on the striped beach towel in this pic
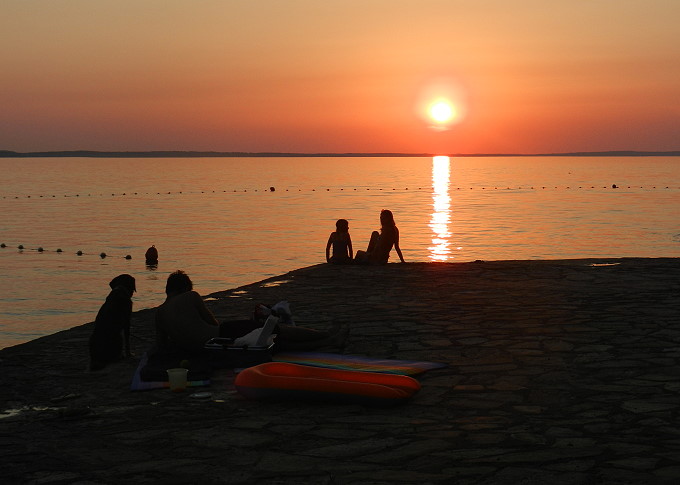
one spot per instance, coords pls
(357, 363)
(140, 385)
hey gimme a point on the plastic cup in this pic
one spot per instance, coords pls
(178, 379)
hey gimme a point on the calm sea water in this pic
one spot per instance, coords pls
(217, 219)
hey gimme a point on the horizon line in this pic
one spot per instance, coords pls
(235, 154)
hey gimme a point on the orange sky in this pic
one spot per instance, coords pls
(339, 76)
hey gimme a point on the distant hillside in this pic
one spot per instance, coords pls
(190, 154)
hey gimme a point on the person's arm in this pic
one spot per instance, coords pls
(203, 311)
(328, 247)
(396, 245)
(349, 246)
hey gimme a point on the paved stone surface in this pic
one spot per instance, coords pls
(560, 372)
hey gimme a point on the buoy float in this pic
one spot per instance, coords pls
(79, 253)
(102, 255)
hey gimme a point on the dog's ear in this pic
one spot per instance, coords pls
(125, 280)
(115, 282)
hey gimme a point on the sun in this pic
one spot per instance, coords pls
(441, 103)
(441, 111)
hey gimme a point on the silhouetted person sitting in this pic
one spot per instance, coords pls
(341, 242)
(381, 243)
(112, 326)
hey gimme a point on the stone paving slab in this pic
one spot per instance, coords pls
(560, 372)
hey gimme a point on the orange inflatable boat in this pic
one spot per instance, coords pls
(280, 380)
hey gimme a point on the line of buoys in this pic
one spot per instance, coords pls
(328, 189)
(40, 249)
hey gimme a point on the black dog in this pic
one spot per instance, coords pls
(112, 325)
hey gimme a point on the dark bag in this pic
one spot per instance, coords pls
(223, 354)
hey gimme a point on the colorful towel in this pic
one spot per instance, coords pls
(139, 385)
(358, 363)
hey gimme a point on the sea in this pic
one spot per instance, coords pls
(69, 225)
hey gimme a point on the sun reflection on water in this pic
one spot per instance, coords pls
(441, 214)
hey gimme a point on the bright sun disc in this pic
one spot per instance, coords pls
(441, 103)
(441, 111)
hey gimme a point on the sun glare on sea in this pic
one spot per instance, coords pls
(441, 209)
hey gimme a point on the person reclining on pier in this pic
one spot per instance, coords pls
(183, 322)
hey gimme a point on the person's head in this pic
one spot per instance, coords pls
(342, 225)
(126, 281)
(386, 218)
(178, 282)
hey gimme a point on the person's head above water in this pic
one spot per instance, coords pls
(178, 282)
(342, 225)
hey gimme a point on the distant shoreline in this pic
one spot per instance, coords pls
(205, 154)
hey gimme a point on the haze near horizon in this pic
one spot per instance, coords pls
(374, 76)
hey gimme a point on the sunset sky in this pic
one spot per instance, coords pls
(524, 76)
